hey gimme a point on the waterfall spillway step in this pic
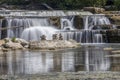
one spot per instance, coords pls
(31, 28)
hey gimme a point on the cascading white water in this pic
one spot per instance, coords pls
(86, 22)
(88, 34)
(67, 24)
(28, 25)
(34, 33)
(29, 28)
(95, 20)
(98, 38)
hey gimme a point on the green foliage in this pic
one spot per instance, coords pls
(61, 4)
(13, 39)
(117, 4)
(14, 2)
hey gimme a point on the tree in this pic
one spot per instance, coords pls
(62, 4)
(117, 4)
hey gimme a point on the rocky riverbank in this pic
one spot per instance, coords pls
(14, 44)
(53, 44)
(67, 76)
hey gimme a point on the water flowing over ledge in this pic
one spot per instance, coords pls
(22, 13)
(31, 25)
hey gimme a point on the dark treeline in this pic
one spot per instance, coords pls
(64, 4)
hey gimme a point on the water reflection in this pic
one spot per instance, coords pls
(37, 62)
(95, 60)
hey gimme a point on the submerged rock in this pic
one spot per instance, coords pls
(53, 44)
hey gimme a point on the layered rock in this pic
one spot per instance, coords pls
(94, 9)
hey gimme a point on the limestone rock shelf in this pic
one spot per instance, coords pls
(13, 44)
(53, 44)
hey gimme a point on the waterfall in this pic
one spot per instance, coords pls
(34, 33)
(29, 28)
(31, 25)
(98, 38)
(88, 34)
(85, 22)
(96, 20)
(67, 24)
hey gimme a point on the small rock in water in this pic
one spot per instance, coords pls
(117, 51)
(43, 37)
(107, 49)
(60, 37)
(55, 37)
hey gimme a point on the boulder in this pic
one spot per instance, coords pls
(22, 42)
(60, 37)
(16, 40)
(12, 45)
(7, 40)
(43, 37)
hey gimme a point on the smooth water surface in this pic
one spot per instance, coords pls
(86, 58)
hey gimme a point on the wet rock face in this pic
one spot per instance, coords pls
(112, 36)
(78, 22)
(115, 20)
(97, 27)
(55, 21)
(113, 16)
